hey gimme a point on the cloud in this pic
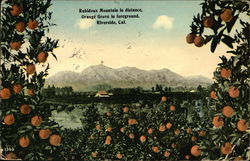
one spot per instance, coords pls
(85, 23)
(164, 21)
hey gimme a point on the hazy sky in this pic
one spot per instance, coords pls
(156, 40)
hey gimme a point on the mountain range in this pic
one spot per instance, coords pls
(125, 77)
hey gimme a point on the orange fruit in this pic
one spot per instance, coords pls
(177, 131)
(125, 109)
(187, 157)
(108, 113)
(31, 92)
(163, 99)
(94, 154)
(162, 128)
(131, 136)
(55, 140)
(109, 129)
(172, 108)
(238, 158)
(228, 111)
(173, 145)
(208, 22)
(32, 24)
(166, 154)
(155, 149)
(193, 138)
(24, 141)
(202, 133)
(132, 121)
(168, 125)
(226, 148)
(199, 41)
(226, 15)
(122, 130)
(150, 130)
(108, 138)
(189, 130)
(15, 45)
(213, 95)
(9, 119)
(36, 120)
(25, 109)
(242, 125)
(44, 133)
(119, 155)
(218, 122)
(20, 26)
(15, 10)
(42, 57)
(142, 138)
(10, 156)
(31, 69)
(5, 93)
(17, 88)
(190, 38)
(195, 151)
(98, 127)
(225, 73)
(234, 92)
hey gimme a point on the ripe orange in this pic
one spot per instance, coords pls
(32, 24)
(202, 133)
(98, 127)
(172, 108)
(131, 136)
(190, 38)
(15, 45)
(162, 128)
(168, 125)
(226, 15)
(108, 138)
(187, 157)
(20, 26)
(108, 113)
(242, 125)
(142, 138)
(10, 156)
(42, 57)
(31, 92)
(226, 148)
(150, 130)
(94, 154)
(109, 129)
(31, 69)
(199, 41)
(44, 133)
(213, 95)
(132, 121)
(166, 154)
(238, 158)
(5, 93)
(9, 119)
(16, 10)
(193, 138)
(228, 111)
(119, 155)
(234, 92)
(173, 145)
(218, 122)
(25, 109)
(208, 22)
(189, 130)
(125, 109)
(155, 149)
(24, 141)
(36, 120)
(163, 99)
(225, 73)
(195, 151)
(122, 130)
(55, 140)
(17, 88)
(177, 131)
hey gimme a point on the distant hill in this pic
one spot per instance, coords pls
(125, 77)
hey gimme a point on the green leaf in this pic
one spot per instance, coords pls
(231, 23)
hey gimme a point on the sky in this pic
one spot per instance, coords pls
(156, 40)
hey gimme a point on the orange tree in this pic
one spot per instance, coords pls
(26, 131)
(228, 137)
